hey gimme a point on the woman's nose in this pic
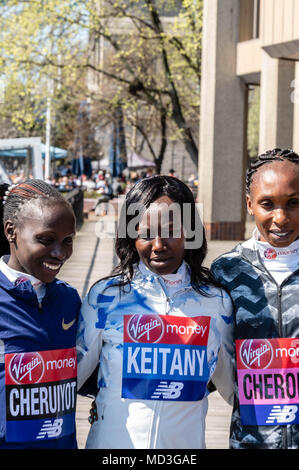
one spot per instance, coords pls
(158, 243)
(280, 217)
(58, 252)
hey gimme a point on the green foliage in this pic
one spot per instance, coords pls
(151, 64)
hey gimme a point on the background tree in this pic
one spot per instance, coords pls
(153, 67)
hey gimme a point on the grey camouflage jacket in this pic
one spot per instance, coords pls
(263, 309)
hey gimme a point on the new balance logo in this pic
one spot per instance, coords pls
(52, 429)
(168, 391)
(282, 415)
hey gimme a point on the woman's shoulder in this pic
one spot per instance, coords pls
(65, 289)
(214, 294)
(229, 260)
(103, 290)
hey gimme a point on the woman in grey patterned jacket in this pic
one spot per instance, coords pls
(262, 277)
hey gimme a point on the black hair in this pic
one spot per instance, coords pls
(13, 198)
(145, 192)
(275, 155)
(32, 189)
(4, 245)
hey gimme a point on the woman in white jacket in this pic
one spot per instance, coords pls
(160, 327)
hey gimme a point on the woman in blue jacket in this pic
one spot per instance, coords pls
(38, 317)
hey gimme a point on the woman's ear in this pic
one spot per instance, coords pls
(249, 204)
(10, 231)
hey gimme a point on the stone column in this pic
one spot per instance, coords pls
(223, 124)
(277, 110)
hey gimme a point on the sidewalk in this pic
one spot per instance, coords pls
(94, 258)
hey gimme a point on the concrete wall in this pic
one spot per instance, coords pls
(222, 123)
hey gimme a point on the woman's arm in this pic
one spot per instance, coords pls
(89, 342)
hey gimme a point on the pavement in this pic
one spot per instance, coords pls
(93, 258)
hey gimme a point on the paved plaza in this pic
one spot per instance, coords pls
(93, 258)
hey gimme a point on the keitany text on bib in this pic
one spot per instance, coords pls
(165, 357)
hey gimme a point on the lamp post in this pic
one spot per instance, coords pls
(48, 131)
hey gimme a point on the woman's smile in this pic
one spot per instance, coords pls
(43, 242)
(274, 202)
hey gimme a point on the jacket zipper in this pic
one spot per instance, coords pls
(280, 331)
(159, 404)
(168, 299)
(157, 407)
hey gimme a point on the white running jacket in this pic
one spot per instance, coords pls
(156, 355)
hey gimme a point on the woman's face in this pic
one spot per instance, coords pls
(274, 202)
(160, 241)
(42, 241)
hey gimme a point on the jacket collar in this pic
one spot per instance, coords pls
(145, 274)
(24, 289)
(249, 253)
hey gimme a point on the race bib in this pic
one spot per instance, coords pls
(165, 357)
(268, 380)
(40, 394)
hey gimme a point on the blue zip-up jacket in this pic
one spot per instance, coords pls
(37, 365)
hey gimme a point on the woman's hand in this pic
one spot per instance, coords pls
(93, 413)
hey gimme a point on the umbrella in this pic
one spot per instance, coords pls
(55, 152)
(137, 161)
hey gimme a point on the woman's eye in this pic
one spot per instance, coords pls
(68, 241)
(267, 204)
(293, 202)
(44, 240)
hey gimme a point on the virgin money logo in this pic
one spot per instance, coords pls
(145, 328)
(256, 353)
(26, 368)
(20, 280)
(270, 253)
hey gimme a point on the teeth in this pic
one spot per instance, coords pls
(281, 234)
(53, 267)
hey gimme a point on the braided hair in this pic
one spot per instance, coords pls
(20, 194)
(4, 245)
(13, 199)
(275, 155)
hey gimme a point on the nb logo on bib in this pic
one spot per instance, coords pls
(52, 429)
(168, 392)
(282, 414)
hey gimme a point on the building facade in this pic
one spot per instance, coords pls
(245, 43)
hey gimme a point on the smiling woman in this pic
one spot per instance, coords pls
(40, 231)
(38, 319)
(262, 277)
(43, 241)
(273, 199)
